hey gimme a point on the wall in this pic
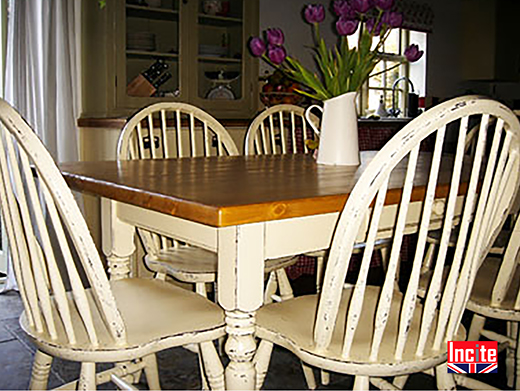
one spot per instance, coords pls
(287, 15)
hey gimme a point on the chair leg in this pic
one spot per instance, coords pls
(445, 380)
(361, 383)
(284, 286)
(200, 288)
(320, 265)
(308, 373)
(40, 371)
(400, 381)
(261, 362)
(477, 324)
(512, 330)
(270, 289)
(517, 372)
(152, 372)
(87, 376)
(428, 258)
(212, 365)
(325, 377)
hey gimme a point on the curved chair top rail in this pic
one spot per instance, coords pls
(173, 129)
(50, 243)
(278, 129)
(480, 189)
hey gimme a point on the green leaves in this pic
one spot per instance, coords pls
(341, 68)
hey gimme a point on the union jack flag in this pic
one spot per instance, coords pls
(472, 368)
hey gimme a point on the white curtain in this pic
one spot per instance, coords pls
(42, 79)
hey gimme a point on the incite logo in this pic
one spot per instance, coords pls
(472, 357)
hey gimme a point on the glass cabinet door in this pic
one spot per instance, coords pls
(220, 49)
(152, 43)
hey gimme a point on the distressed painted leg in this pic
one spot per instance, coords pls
(400, 381)
(308, 373)
(320, 265)
(240, 348)
(212, 365)
(428, 258)
(261, 362)
(118, 241)
(203, 377)
(325, 377)
(512, 331)
(270, 289)
(284, 285)
(40, 371)
(477, 324)
(361, 383)
(152, 372)
(517, 372)
(87, 376)
(200, 288)
(445, 380)
(241, 255)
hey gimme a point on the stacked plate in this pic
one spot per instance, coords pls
(140, 41)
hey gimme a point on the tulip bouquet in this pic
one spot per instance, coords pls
(343, 68)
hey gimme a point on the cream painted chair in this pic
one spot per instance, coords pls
(381, 332)
(168, 130)
(71, 310)
(496, 295)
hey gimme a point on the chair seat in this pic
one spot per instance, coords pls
(291, 324)
(480, 299)
(193, 264)
(157, 315)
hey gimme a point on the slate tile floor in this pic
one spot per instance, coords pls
(178, 367)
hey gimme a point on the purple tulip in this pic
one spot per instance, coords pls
(372, 28)
(343, 8)
(392, 19)
(361, 6)
(314, 13)
(384, 5)
(412, 53)
(277, 54)
(257, 46)
(275, 37)
(346, 26)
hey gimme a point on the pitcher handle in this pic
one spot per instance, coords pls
(311, 123)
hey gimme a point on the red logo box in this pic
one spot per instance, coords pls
(472, 357)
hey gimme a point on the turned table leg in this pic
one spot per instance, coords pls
(240, 293)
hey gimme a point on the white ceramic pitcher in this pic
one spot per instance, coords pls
(339, 131)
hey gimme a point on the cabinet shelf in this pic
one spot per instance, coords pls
(220, 59)
(147, 54)
(219, 21)
(139, 11)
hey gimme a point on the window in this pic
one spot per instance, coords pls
(393, 62)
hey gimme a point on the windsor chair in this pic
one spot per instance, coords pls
(168, 130)
(71, 310)
(375, 332)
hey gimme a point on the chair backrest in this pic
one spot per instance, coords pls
(279, 129)
(479, 189)
(505, 287)
(169, 130)
(50, 244)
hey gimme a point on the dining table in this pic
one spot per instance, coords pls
(244, 208)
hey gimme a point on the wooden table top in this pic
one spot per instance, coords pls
(231, 190)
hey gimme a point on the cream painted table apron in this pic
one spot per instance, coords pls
(246, 209)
